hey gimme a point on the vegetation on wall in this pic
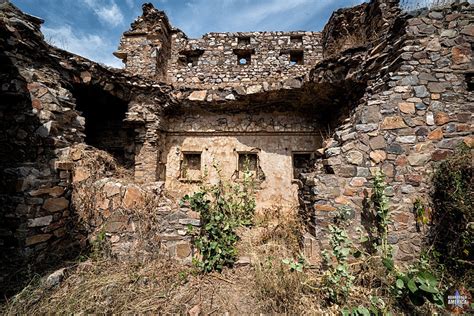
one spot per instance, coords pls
(358, 276)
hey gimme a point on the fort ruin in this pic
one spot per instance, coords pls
(314, 115)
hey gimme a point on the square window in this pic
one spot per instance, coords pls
(190, 58)
(296, 58)
(296, 39)
(244, 59)
(243, 40)
(244, 56)
(190, 168)
(301, 162)
(248, 162)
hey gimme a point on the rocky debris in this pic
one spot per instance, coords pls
(54, 278)
(395, 89)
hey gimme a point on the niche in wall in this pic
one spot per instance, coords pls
(104, 127)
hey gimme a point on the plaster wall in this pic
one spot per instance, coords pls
(274, 151)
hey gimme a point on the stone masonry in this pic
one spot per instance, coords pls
(153, 48)
(378, 88)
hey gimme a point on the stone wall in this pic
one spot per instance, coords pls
(411, 116)
(217, 64)
(122, 219)
(152, 48)
(39, 122)
(36, 120)
(360, 26)
(146, 48)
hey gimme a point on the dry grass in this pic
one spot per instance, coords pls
(161, 286)
(158, 286)
(279, 290)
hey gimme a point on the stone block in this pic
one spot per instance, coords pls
(183, 250)
(134, 198)
(324, 207)
(190, 221)
(418, 159)
(254, 89)
(80, 174)
(378, 156)
(393, 122)
(437, 87)
(40, 221)
(55, 204)
(407, 107)
(441, 118)
(36, 239)
(437, 134)
(358, 182)
(377, 142)
(198, 95)
(111, 188)
(54, 191)
(355, 157)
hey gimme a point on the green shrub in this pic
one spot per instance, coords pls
(223, 207)
(338, 279)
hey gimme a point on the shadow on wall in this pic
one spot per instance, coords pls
(104, 127)
(24, 158)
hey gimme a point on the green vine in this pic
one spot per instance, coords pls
(417, 283)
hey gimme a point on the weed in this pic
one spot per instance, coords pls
(223, 207)
(295, 264)
(338, 279)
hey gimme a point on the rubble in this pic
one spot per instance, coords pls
(88, 148)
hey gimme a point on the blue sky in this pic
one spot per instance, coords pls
(92, 28)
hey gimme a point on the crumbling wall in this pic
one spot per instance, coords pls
(153, 49)
(39, 121)
(36, 121)
(417, 108)
(364, 25)
(217, 58)
(120, 218)
(146, 48)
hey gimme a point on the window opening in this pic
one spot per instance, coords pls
(248, 162)
(191, 166)
(244, 56)
(243, 40)
(296, 39)
(296, 58)
(301, 163)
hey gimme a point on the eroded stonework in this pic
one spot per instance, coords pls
(90, 151)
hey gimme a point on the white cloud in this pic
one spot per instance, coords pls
(91, 46)
(108, 13)
(249, 15)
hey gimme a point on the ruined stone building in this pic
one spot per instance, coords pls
(313, 115)
(222, 67)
